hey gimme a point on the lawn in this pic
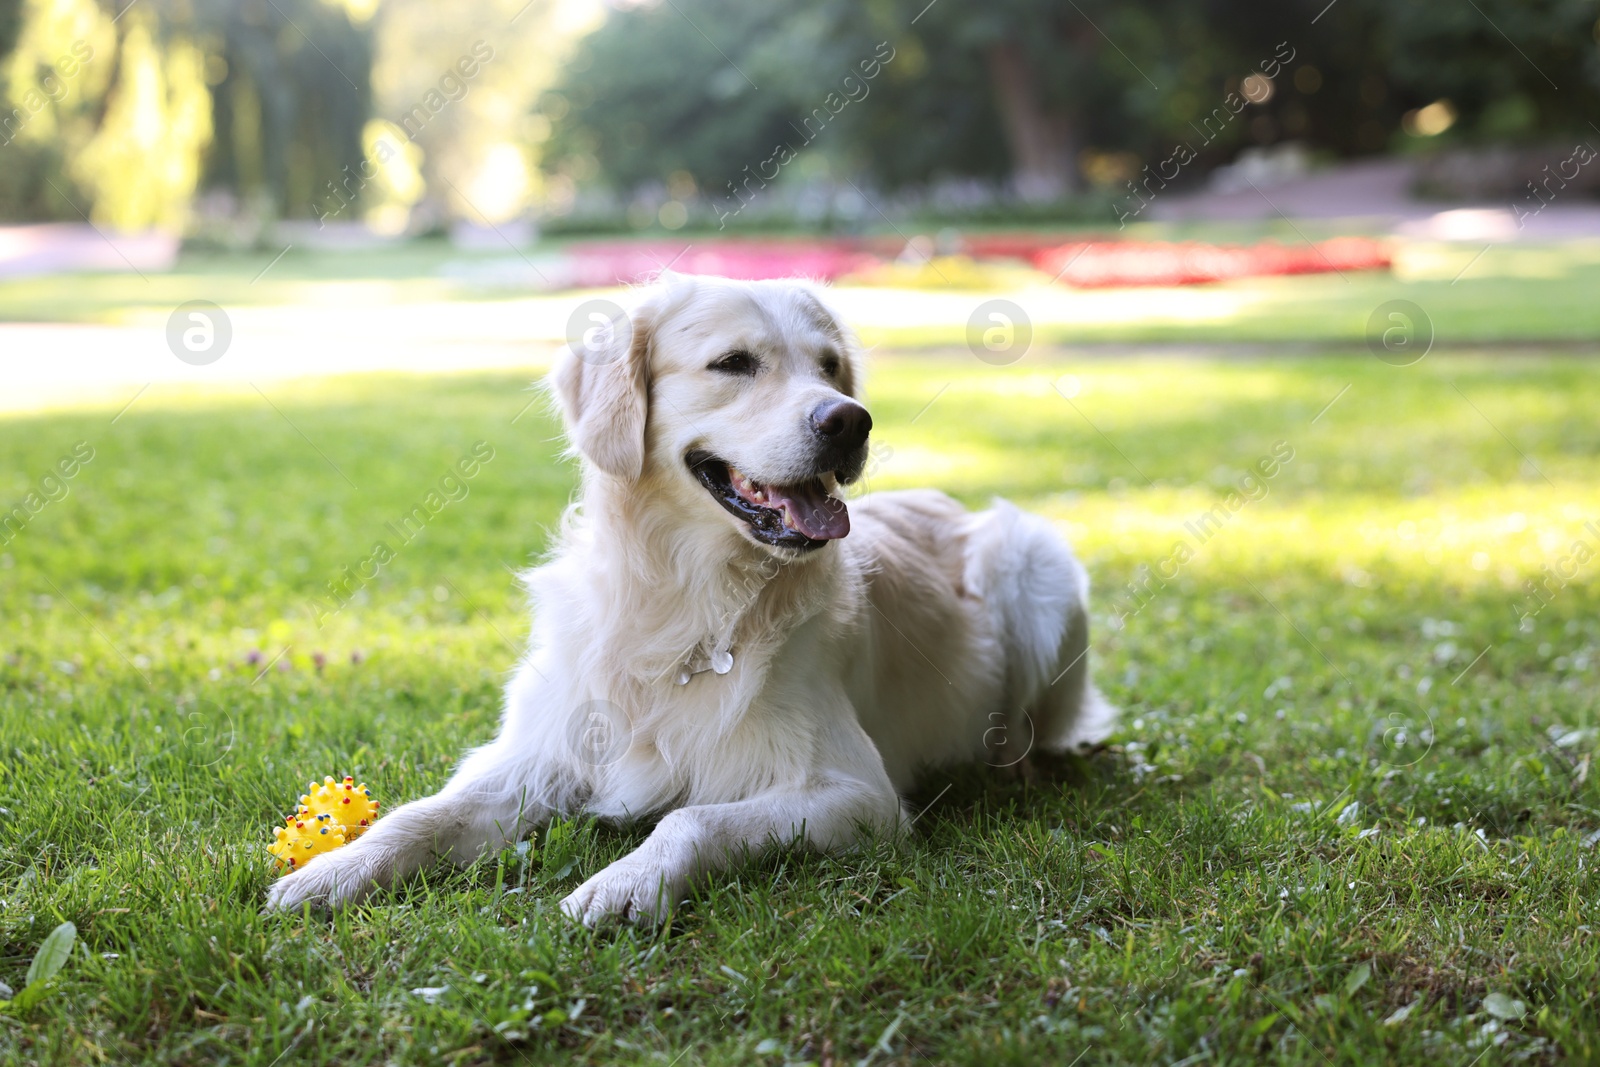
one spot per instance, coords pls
(1519, 294)
(1350, 815)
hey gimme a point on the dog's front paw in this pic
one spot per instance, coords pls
(630, 888)
(329, 881)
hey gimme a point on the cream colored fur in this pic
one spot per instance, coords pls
(926, 637)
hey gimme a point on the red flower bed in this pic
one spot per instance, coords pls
(1082, 264)
(1093, 264)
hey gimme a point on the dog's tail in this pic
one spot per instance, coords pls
(1038, 596)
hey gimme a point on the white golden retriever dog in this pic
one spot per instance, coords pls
(719, 641)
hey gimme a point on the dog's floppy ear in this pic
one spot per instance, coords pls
(603, 385)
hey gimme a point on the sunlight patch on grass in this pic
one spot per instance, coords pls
(1424, 261)
(1475, 539)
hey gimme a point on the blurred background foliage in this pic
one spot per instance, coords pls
(220, 117)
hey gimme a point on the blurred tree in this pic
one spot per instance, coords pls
(104, 115)
(455, 88)
(1045, 91)
(1049, 66)
(1510, 68)
(1017, 88)
(930, 113)
(287, 86)
(648, 94)
(711, 88)
(420, 114)
(10, 26)
(141, 165)
(291, 92)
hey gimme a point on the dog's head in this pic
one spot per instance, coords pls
(733, 400)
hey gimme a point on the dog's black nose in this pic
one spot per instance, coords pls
(844, 423)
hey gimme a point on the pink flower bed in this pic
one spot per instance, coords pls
(601, 263)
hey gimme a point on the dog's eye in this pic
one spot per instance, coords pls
(736, 362)
(831, 366)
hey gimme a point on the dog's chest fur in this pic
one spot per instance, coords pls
(718, 737)
(810, 644)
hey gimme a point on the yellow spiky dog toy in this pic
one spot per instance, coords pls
(350, 805)
(301, 837)
(330, 814)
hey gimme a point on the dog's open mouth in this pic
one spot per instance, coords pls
(802, 516)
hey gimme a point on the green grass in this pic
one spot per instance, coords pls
(1210, 889)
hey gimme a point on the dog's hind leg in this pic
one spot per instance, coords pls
(1038, 597)
(1073, 715)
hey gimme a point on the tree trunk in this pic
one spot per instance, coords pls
(1042, 142)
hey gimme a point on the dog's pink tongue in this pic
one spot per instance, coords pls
(814, 513)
